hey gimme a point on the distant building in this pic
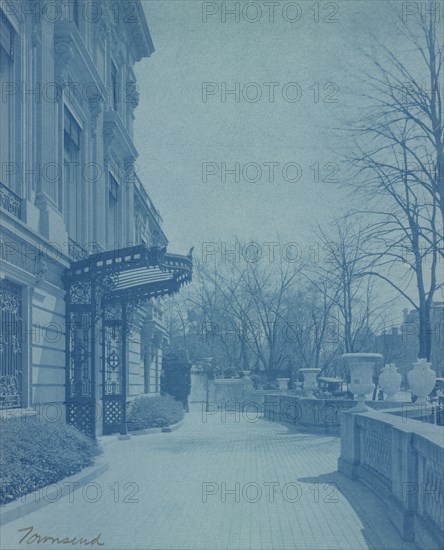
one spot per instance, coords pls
(400, 345)
(83, 252)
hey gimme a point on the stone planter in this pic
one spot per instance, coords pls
(422, 380)
(361, 366)
(246, 373)
(283, 383)
(310, 382)
(390, 380)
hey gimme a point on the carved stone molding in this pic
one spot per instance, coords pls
(36, 39)
(95, 109)
(129, 169)
(41, 269)
(132, 95)
(109, 135)
(63, 55)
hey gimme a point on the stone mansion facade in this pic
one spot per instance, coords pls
(83, 254)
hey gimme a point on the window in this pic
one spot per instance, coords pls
(114, 87)
(113, 218)
(6, 38)
(7, 106)
(69, 195)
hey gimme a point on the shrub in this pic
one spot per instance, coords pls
(154, 412)
(34, 454)
(176, 375)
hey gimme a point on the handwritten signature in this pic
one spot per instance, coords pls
(30, 538)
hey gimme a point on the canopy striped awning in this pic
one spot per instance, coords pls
(137, 270)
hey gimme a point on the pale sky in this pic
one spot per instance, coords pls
(176, 132)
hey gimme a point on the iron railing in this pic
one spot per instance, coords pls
(10, 201)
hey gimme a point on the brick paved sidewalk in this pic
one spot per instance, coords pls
(217, 485)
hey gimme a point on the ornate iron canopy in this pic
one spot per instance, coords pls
(101, 292)
(136, 272)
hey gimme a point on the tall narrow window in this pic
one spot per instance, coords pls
(76, 13)
(8, 104)
(69, 198)
(114, 87)
(113, 232)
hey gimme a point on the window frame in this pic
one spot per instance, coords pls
(113, 195)
(115, 85)
(72, 131)
(8, 149)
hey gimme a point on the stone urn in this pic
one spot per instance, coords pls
(422, 380)
(246, 373)
(283, 383)
(310, 382)
(361, 367)
(390, 380)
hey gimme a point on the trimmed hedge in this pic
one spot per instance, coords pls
(34, 454)
(159, 411)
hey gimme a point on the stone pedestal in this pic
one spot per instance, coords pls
(283, 383)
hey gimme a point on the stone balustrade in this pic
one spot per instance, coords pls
(402, 460)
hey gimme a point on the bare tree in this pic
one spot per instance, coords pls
(400, 159)
(309, 327)
(340, 272)
(257, 296)
(176, 318)
(406, 112)
(217, 326)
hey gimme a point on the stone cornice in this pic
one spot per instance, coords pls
(132, 26)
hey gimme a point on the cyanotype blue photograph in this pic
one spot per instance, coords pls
(221, 278)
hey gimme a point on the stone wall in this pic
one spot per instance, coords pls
(231, 393)
(312, 412)
(199, 387)
(228, 394)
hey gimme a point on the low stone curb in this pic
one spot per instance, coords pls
(35, 500)
(166, 429)
(104, 439)
(315, 429)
